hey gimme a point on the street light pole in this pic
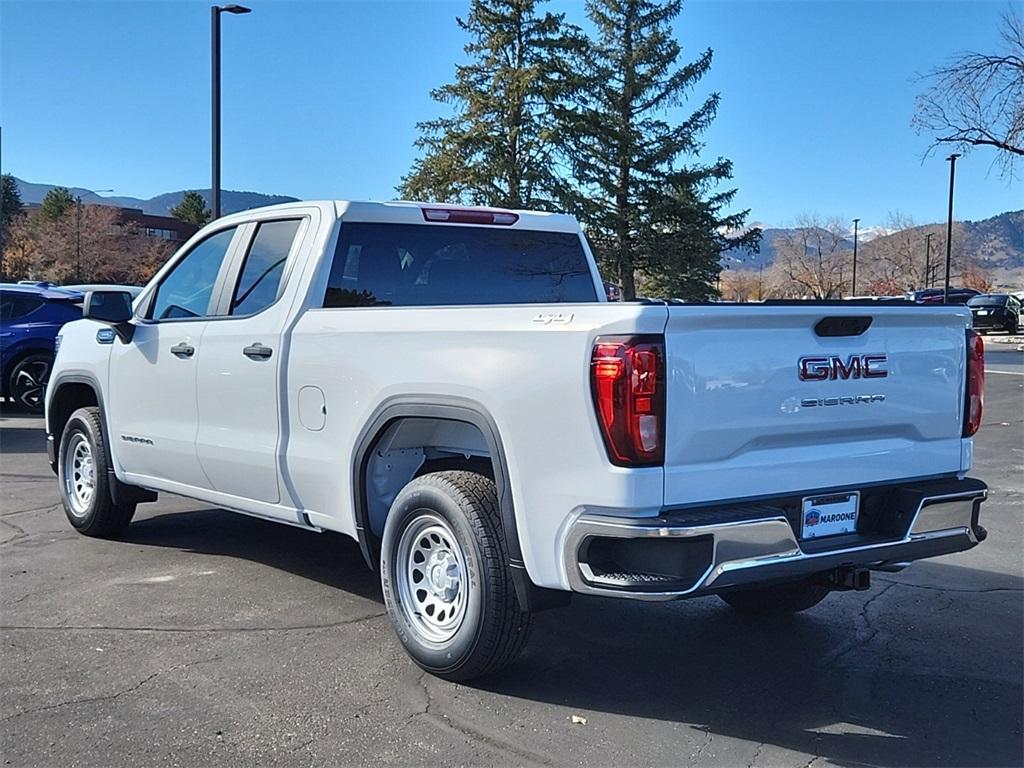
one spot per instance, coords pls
(949, 223)
(853, 288)
(215, 12)
(928, 259)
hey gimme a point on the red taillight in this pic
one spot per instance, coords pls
(469, 216)
(974, 395)
(627, 376)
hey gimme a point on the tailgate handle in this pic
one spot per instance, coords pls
(842, 326)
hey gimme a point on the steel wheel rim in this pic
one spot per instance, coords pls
(79, 475)
(30, 382)
(431, 578)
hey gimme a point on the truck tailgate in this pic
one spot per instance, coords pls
(743, 422)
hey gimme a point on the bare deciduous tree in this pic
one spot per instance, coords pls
(814, 257)
(977, 277)
(900, 261)
(977, 99)
(740, 285)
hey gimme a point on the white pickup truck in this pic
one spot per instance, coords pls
(449, 387)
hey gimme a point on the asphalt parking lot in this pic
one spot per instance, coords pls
(204, 637)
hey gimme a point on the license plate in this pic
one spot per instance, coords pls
(829, 515)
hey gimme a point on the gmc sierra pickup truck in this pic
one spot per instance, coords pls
(450, 387)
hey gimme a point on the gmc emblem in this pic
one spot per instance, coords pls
(834, 367)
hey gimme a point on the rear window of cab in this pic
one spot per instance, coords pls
(417, 265)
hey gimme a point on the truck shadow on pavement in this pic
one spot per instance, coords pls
(852, 681)
(910, 673)
(329, 558)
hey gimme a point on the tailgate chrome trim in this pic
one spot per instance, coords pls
(745, 550)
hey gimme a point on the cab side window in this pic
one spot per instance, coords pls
(186, 291)
(260, 278)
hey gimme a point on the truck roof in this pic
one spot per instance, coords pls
(407, 212)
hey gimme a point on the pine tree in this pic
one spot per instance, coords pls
(56, 203)
(498, 147)
(192, 209)
(688, 231)
(644, 209)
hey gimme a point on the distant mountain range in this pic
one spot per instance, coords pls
(997, 243)
(230, 200)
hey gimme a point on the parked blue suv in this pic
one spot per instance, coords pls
(30, 318)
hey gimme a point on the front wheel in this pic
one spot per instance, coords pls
(777, 600)
(82, 465)
(445, 577)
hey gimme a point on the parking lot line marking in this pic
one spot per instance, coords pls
(1006, 373)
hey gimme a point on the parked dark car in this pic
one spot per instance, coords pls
(996, 312)
(935, 295)
(30, 318)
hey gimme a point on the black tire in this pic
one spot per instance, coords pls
(493, 628)
(26, 383)
(99, 516)
(777, 600)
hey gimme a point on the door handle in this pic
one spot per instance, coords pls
(183, 350)
(257, 351)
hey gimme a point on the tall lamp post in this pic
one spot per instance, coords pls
(853, 287)
(928, 259)
(78, 232)
(949, 223)
(215, 12)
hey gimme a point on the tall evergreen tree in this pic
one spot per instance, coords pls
(498, 146)
(644, 208)
(56, 203)
(192, 209)
(688, 230)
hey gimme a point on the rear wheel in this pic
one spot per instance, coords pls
(26, 384)
(778, 599)
(82, 465)
(445, 577)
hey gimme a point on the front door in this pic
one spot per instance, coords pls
(238, 389)
(152, 405)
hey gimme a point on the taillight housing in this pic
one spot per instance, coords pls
(627, 378)
(974, 392)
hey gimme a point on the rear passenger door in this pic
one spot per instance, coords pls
(238, 377)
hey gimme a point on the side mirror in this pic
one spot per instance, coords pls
(113, 308)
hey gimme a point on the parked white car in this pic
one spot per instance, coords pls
(450, 387)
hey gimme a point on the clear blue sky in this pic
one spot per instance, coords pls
(321, 98)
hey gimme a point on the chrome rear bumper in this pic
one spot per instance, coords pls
(739, 546)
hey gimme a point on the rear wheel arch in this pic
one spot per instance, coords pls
(469, 418)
